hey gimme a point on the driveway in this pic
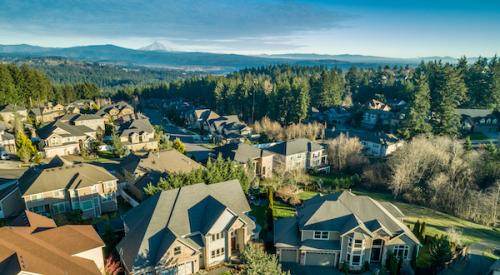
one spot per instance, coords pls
(296, 269)
(474, 264)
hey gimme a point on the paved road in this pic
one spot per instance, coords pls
(474, 264)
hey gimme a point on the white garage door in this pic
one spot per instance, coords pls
(322, 259)
(183, 269)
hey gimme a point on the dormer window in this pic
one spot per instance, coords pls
(321, 235)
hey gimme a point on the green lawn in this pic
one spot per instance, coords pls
(437, 222)
(283, 210)
(477, 136)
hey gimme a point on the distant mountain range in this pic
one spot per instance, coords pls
(157, 55)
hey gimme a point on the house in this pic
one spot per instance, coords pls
(9, 113)
(374, 117)
(7, 140)
(91, 121)
(199, 118)
(76, 107)
(337, 115)
(62, 186)
(11, 203)
(299, 153)
(139, 171)
(479, 120)
(33, 244)
(343, 228)
(245, 154)
(378, 105)
(47, 113)
(62, 138)
(115, 111)
(138, 134)
(377, 144)
(183, 230)
(228, 128)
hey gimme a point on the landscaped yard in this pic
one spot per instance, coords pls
(437, 222)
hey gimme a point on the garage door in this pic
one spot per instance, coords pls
(183, 269)
(288, 255)
(323, 259)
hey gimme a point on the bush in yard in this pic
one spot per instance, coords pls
(257, 262)
(440, 252)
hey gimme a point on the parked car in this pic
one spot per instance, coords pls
(4, 155)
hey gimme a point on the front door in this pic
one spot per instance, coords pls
(234, 248)
(377, 249)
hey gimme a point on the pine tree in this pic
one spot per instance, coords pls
(440, 252)
(416, 121)
(450, 91)
(416, 229)
(422, 230)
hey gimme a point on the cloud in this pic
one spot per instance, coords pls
(222, 22)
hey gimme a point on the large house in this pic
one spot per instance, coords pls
(479, 120)
(10, 112)
(47, 113)
(62, 138)
(7, 140)
(139, 171)
(375, 117)
(62, 186)
(376, 144)
(261, 160)
(11, 203)
(181, 231)
(91, 121)
(296, 154)
(343, 228)
(33, 244)
(198, 118)
(138, 134)
(228, 128)
(115, 111)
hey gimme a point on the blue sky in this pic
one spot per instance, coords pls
(413, 28)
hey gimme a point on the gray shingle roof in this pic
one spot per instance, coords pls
(295, 146)
(342, 212)
(71, 130)
(475, 113)
(174, 215)
(240, 152)
(61, 175)
(362, 135)
(12, 108)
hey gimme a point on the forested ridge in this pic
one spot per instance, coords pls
(285, 93)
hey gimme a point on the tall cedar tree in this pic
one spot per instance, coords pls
(449, 92)
(416, 121)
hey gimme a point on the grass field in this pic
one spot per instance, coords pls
(437, 222)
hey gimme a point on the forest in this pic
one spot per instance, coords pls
(286, 93)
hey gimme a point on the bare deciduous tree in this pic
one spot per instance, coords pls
(345, 153)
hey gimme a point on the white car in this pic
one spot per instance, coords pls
(4, 155)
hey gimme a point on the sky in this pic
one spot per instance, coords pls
(391, 28)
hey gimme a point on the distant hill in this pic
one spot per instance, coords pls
(353, 58)
(156, 55)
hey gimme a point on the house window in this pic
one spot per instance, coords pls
(59, 207)
(358, 243)
(321, 235)
(217, 236)
(356, 260)
(217, 252)
(86, 205)
(401, 251)
(177, 250)
(349, 242)
(107, 197)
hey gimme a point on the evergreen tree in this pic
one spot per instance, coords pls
(416, 229)
(449, 92)
(416, 121)
(440, 252)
